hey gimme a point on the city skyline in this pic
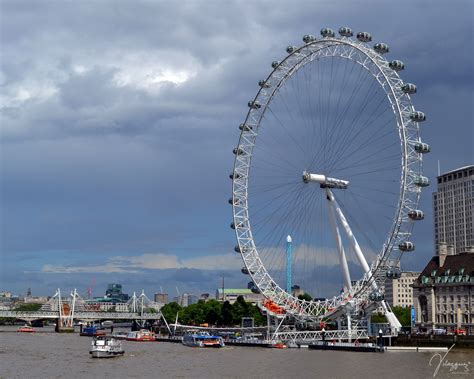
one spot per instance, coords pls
(117, 131)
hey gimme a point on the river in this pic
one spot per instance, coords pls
(46, 354)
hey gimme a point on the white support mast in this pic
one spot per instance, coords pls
(60, 307)
(337, 236)
(74, 295)
(392, 319)
(351, 237)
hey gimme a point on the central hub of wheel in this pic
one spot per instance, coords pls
(325, 181)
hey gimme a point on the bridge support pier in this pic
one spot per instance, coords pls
(63, 328)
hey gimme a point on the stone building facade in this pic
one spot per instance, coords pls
(444, 293)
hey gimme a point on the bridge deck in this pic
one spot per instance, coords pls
(86, 316)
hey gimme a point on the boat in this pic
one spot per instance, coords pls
(202, 339)
(91, 331)
(120, 335)
(26, 329)
(278, 345)
(106, 347)
(143, 335)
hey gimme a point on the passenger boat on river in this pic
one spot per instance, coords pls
(143, 335)
(202, 339)
(106, 347)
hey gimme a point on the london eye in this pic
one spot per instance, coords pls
(330, 153)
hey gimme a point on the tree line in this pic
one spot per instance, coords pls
(213, 312)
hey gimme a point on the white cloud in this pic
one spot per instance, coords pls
(302, 254)
(151, 261)
(105, 269)
(27, 90)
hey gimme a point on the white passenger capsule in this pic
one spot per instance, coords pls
(376, 296)
(246, 271)
(254, 104)
(406, 246)
(233, 201)
(364, 37)
(245, 127)
(290, 49)
(381, 48)
(409, 88)
(238, 151)
(275, 64)
(421, 181)
(345, 31)
(393, 273)
(396, 65)
(417, 116)
(416, 215)
(326, 32)
(308, 38)
(252, 287)
(264, 84)
(234, 176)
(421, 147)
(237, 249)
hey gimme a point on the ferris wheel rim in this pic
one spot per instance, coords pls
(242, 222)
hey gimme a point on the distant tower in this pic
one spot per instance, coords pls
(289, 259)
(28, 293)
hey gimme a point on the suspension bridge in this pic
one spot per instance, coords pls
(73, 308)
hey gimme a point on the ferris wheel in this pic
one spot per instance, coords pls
(329, 159)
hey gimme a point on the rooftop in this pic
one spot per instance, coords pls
(457, 169)
(456, 268)
(230, 291)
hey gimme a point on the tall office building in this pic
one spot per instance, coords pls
(453, 206)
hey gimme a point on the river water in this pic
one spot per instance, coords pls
(46, 354)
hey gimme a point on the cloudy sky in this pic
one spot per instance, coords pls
(118, 119)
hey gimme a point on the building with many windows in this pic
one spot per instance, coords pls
(114, 291)
(453, 206)
(231, 295)
(161, 298)
(444, 292)
(398, 292)
(186, 299)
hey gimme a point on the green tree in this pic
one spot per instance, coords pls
(213, 312)
(403, 315)
(306, 296)
(170, 310)
(226, 314)
(240, 309)
(378, 318)
(192, 314)
(28, 307)
(258, 318)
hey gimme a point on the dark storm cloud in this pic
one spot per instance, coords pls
(118, 117)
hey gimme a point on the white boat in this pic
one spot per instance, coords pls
(106, 347)
(202, 339)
